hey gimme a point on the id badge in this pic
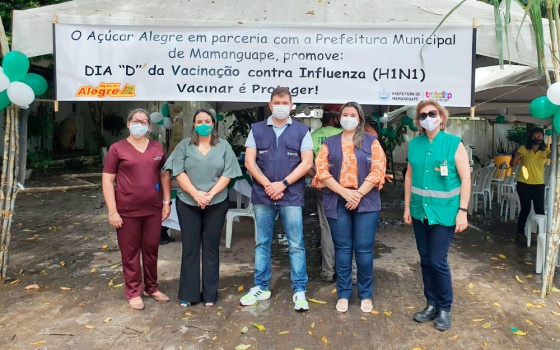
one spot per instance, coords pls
(443, 168)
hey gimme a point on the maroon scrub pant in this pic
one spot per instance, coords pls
(139, 235)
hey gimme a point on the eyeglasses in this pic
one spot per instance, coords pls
(143, 122)
(431, 114)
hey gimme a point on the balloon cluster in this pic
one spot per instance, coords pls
(407, 120)
(16, 85)
(548, 106)
(162, 118)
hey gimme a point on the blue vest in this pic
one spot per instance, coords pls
(371, 201)
(277, 159)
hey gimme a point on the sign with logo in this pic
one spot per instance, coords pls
(388, 66)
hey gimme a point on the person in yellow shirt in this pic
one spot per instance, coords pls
(530, 183)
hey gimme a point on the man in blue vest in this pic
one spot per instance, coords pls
(279, 152)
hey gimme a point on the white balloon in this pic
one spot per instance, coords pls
(156, 117)
(384, 119)
(306, 111)
(4, 81)
(411, 112)
(20, 94)
(167, 123)
(213, 112)
(510, 118)
(406, 137)
(553, 93)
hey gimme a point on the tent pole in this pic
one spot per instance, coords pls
(552, 236)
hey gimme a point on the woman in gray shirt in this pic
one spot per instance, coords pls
(203, 165)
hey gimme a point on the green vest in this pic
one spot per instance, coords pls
(319, 135)
(434, 196)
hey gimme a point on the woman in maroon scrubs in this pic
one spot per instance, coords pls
(137, 205)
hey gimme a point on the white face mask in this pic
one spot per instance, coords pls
(430, 124)
(138, 130)
(280, 111)
(349, 123)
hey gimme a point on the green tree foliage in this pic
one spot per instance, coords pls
(8, 6)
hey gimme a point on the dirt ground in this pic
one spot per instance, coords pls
(62, 242)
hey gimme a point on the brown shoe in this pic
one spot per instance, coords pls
(159, 296)
(136, 303)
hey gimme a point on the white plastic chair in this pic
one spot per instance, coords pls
(481, 188)
(510, 182)
(232, 214)
(499, 175)
(512, 205)
(535, 222)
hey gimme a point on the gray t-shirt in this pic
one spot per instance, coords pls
(203, 170)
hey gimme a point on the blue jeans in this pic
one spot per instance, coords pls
(433, 243)
(292, 221)
(353, 232)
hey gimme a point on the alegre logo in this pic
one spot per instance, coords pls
(107, 90)
(439, 95)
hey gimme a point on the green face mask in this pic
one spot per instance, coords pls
(203, 129)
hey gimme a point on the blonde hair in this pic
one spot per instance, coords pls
(442, 112)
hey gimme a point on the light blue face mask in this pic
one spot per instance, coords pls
(203, 129)
(138, 130)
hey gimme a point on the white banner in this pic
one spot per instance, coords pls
(385, 66)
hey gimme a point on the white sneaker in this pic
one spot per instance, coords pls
(254, 295)
(300, 301)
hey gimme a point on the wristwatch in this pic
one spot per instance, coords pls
(168, 202)
(285, 182)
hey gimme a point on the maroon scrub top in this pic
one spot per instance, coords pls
(138, 191)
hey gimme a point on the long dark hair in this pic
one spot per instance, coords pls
(214, 138)
(529, 144)
(359, 133)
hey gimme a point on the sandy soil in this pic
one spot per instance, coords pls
(63, 240)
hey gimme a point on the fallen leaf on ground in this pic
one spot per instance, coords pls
(188, 314)
(485, 343)
(453, 337)
(497, 305)
(111, 282)
(38, 342)
(501, 267)
(471, 286)
(219, 314)
(27, 230)
(14, 282)
(363, 318)
(518, 332)
(316, 301)
(309, 332)
(90, 326)
(528, 263)
(487, 325)
(32, 286)
(518, 279)
(118, 285)
(558, 302)
(388, 313)
(244, 330)
(93, 270)
(502, 256)
(62, 263)
(536, 291)
(105, 247)
(223, 289)
(417, 349)
(472, 293)
(374, 312)
(555, 313)
(529, 322)
(494, 259)
(108, 319)
(115, 266)
(284, 332)
(537, 306)
(215, 337)
(529, 276)
(260, 327)
(310, 12)
(239, 289)
(478, 320)
(556, 290)
(334, 291)
(411, 307)
(313, 325)
(324, 339)
(65, 288)
(242, 347)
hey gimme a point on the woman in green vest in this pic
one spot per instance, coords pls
(436, 196)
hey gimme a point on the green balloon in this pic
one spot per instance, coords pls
(220, 117)
(541, 107)
(37, 83)
(500, 119)
(4, 99)
(160, 122)
(392, 135)
(390, 128)
(15, 65)
(406, 120)
(556, 121)
(376, 115)
(165, 110)
(384, 132)
(413, 127)
(548, 132)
